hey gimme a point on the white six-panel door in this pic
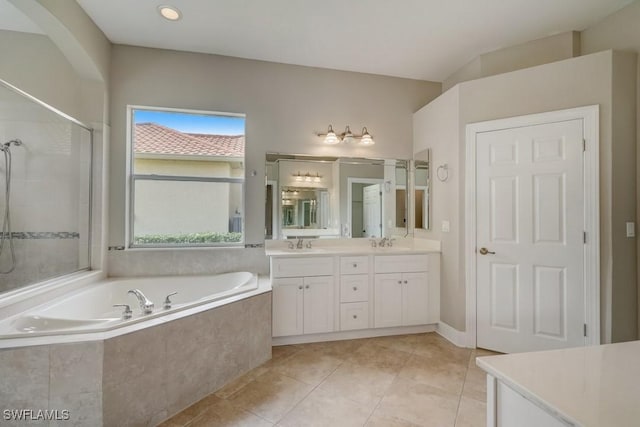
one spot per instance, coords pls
(372, 210)
(529, 234)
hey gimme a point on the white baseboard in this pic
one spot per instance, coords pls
(350, 335)
(451, 334)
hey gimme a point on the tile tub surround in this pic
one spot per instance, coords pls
(406, 380)
(143, 377)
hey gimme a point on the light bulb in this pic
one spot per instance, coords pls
(331, 137)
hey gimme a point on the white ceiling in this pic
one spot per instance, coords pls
(421, 39)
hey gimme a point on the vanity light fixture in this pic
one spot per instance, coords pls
(170, 13)
(330, 137)
(307, 177)
(347, 137)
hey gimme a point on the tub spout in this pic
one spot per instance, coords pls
(145, 305)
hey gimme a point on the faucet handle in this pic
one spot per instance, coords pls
(127, 313)
(291, 245)
(167, 300)
(308, 245)
(391, 242)
(373, 243)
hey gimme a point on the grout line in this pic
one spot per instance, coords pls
(464, 382)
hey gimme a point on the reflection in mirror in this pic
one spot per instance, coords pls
(422, 187)
(323, 197)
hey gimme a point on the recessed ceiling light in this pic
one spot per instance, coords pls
(169, 12)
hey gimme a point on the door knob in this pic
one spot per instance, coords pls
(484, 251)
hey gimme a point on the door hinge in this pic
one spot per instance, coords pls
(584, 145)
(585, 329)
(584, 237)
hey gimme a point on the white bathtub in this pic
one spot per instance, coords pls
(91, 309)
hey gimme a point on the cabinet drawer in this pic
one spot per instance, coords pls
(301, 266)
(354, 264)
(401, 263)
(354, 315)
(354, 288)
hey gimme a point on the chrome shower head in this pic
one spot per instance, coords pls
(14, 142)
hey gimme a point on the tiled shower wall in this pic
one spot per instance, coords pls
(50, 197)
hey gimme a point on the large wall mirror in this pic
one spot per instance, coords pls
(331, 197)
(422, 190)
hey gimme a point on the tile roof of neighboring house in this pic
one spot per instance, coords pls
(151, 138)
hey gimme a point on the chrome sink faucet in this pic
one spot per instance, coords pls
(299, 245)
(145, 305)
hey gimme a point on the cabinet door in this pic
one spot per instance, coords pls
(388, 300)
(287, 297)
(318, 304)
(415, 298)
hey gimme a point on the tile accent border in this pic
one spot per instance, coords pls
(40, 235)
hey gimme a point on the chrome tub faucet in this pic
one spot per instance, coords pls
(145, 305)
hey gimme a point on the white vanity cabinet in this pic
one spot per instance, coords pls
(354, 292)
(353, 295)
(303, 295)
(403, 295)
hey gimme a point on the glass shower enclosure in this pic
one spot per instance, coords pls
(45, 191)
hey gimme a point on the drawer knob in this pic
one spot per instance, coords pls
(405, 282)
(355, 288)
(355, 265)
(355, 316)
(399, 282)
(299, 287)
(307, 286)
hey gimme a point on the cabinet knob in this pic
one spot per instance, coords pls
(307, 286)
(405, 282)
(355, 288)
(355, 265)
(299, 287)
(355, 316)
(399, 282)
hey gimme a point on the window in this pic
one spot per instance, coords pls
(186, 178)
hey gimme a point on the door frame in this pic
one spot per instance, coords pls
(355, 180)
(591, 188)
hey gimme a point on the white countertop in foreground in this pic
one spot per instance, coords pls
(588, 386)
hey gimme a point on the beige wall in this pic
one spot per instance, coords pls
(284, 105)
(621, 31)
(575, 82)
(436, 127)
(536, 52)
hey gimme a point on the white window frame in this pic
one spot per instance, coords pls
(131, 179)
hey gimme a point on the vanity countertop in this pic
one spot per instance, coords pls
(330, 247)
(585, 386)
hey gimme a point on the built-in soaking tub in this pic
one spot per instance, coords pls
(91, 309)
(77, 353)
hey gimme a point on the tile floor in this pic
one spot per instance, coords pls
(406, 380)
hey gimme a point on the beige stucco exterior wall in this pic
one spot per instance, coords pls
(187, 207)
